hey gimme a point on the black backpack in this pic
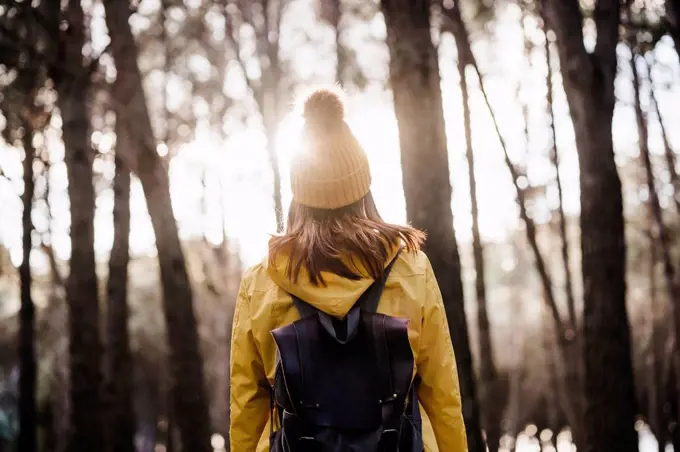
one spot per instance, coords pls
(345, 385)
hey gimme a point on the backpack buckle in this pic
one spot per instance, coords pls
(389, 399)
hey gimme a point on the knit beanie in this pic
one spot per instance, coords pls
(331, 171)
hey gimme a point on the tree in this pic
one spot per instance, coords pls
(555, 157)
(81, 287)
(331, 11)
(589, 85)
(654, 365)
(415, 82)
(669, 154)
(488, 375)
(660, 229)
(190, 404)
(673, 20)
(268, 90)
(26, 114)
(27, 359)
(569, 394)
(120, 382)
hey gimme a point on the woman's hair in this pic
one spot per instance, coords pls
(319, 239)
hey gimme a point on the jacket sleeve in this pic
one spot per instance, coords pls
(249, 392)
(439, 392)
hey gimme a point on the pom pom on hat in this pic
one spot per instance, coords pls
(324, 108)
(333, 171)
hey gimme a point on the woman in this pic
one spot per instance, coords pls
(335, 246)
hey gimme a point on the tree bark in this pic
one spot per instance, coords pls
(27, 360)
(415, 81)
(589, 85)
(657, 214)
(488, 375)
(120, 373)
(81, 286)
(186, 364)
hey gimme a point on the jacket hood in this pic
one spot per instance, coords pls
(335, 298)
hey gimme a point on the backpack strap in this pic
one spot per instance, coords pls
(413, 399)
(368, 302)
(371, 299)
(305, 309)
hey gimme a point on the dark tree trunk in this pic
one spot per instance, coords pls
(122, 425)
(170, 430)
(415, 81)
(27, 360)
(81, 286)
(670, 386)
(48, 441)
(589, 85)
(673, 18)
(488, 375)
(657, 214)
(186, 364)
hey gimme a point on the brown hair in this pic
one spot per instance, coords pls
(317, 239)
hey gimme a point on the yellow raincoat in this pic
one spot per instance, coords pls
(411, 292)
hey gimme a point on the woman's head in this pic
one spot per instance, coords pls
(333, 223)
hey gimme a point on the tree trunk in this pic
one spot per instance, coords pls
(415, 81)
(589, 85)
(654, 362)
(669, 154)
(120, 373)
(186, 364)
(554, 389)
(518, 342)
(571, 342)
(657, 213)
(276, 173)
(27, 360)
(488, 375)
(568, 346)
(267, 91)
(673, 17)
(81, 287)
(48, 442)
(335, 14)
(569, 287)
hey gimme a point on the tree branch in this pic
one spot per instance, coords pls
(669, 154)
(462, 38)
(3, 175)
(235, 44)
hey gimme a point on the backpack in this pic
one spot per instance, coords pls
(345, 385)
